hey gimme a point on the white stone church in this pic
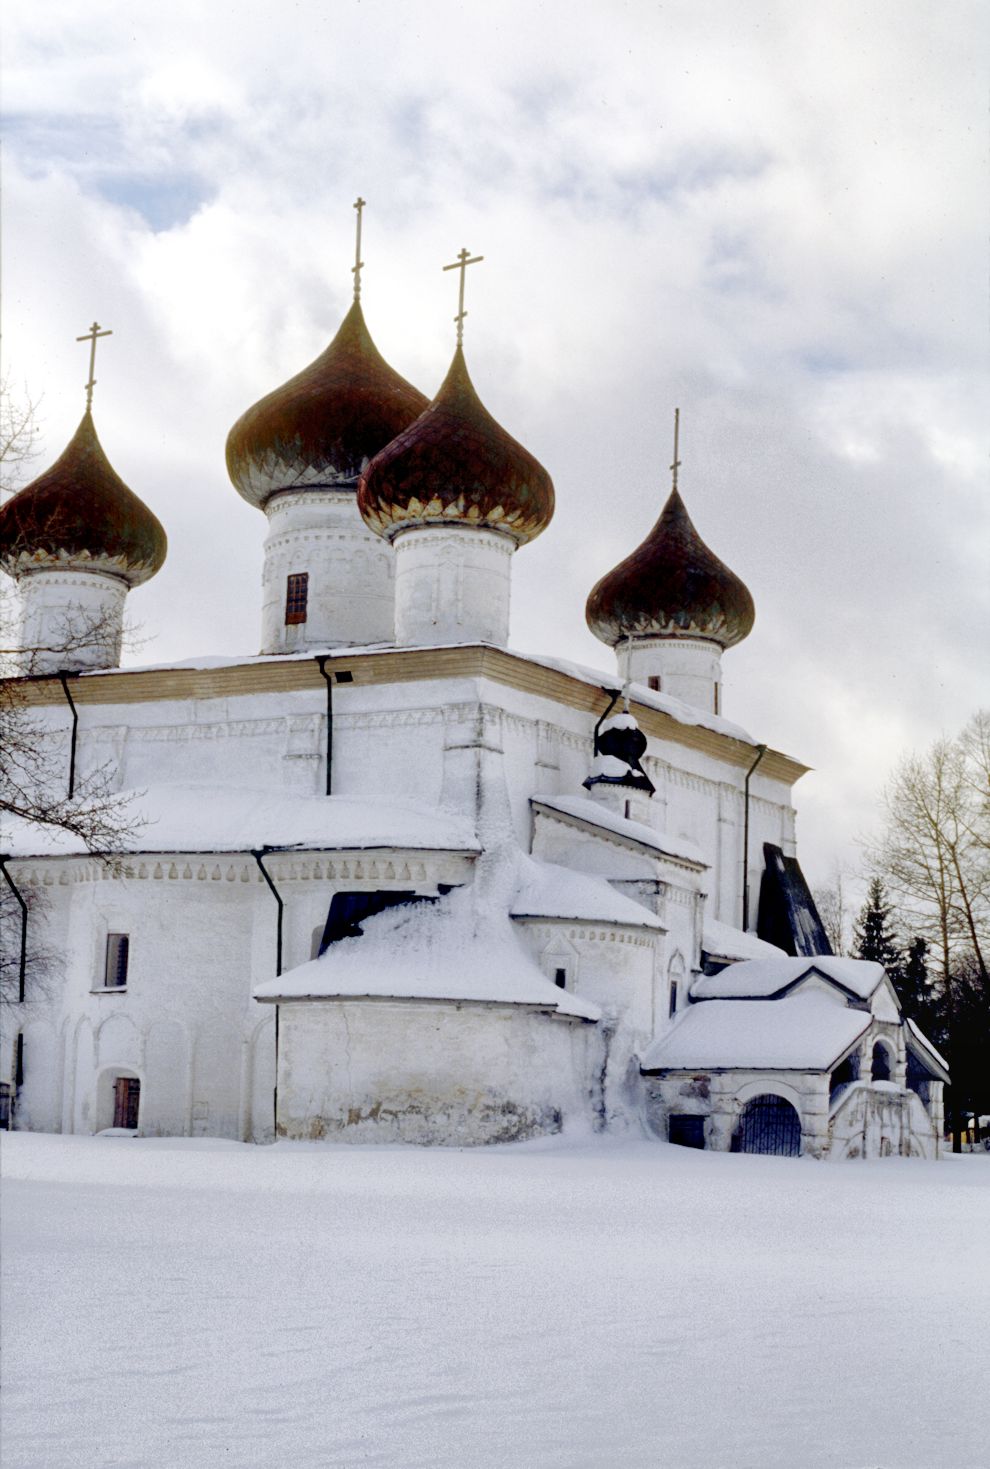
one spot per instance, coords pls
(390, 880)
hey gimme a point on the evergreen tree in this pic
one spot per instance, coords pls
(873, 936)
(915, 990)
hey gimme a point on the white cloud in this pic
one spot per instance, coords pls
(764, 214)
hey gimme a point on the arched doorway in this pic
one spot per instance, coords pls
(118, 1099)
(881, 1068)
(768, 1124)
(126, 1101)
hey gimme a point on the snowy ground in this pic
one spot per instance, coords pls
(562, 1305)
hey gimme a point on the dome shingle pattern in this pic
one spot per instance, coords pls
(671, 586)
(322, 427)
(456, 465)
(80, 515)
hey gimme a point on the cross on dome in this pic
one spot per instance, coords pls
(91, 336)
(358, 265)
(677, 433)
(464, 259)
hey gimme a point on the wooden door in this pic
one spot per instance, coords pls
(126, 1102)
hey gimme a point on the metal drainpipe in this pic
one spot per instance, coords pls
(616, 695)
(22, 964)
(258, 855)
(321, 663)
(761, 750)
(63, 677)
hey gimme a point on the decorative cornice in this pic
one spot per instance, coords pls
(407, 665)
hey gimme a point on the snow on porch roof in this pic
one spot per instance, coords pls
(435, 951)
(807, 1032)
(761, 978)
(210, 818)
(592, 813)
(546, 890)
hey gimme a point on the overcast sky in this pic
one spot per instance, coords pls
(771, 215)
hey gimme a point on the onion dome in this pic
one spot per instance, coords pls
(620, 745)
(672, 586)
(80, 516)
(320, 429)
(456, 466)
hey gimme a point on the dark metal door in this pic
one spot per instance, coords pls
(126, 1102)
(769, 1124)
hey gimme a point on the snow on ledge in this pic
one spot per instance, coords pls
(547, 890)
(593, 813)
(430, 951)
(211, 818)
(722, 941)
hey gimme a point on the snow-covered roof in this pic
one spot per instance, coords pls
(762, 978)
(806, 1032)
(592, 813)
(210, 818)
(546, 890)
(642, 694)
(447, 950)
(722, 941)
(920, 1044)
(665, 703)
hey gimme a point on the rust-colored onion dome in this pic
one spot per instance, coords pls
(320, 429)
(671, 586)
(456, 466)
(79, 515)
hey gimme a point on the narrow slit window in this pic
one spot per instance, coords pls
(296, 597)
(115, 977)
(673, 997)
(560, 978)
(653, 682)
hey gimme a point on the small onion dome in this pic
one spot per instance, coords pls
(320, 429)
(80, 516)
(456, 465)
(671, 586)
(621, 746)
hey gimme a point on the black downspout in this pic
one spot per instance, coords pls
(22, 966)
(258, 855)
(63, 678)
(616, 694)
(761, 750)
(321, 662)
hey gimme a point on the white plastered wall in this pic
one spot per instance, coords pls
(350, 569)
(71, 619)
(452, 585)
(428, 1072)
(688, 668)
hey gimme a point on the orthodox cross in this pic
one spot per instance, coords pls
(677, 434)
(464, 259)
(358, 265)
(90, 337)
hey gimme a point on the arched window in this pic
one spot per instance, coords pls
(768, 1124)
(843, 1074)
(880, 1070)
